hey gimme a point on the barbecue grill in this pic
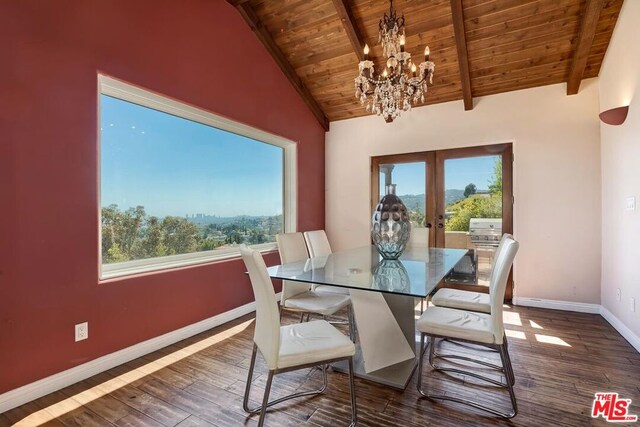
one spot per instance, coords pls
(485, 232)
(485, 235)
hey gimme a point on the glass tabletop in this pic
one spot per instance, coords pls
(416, 273)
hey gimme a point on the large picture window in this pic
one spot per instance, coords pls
(180, 186)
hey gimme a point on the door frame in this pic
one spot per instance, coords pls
(435, 200)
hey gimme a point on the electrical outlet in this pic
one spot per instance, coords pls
(82, 331)
(618, 295)
(633, 305)
(631, 203)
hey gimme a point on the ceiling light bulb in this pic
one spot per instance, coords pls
(366, 49)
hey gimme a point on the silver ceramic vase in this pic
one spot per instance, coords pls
(390, 225)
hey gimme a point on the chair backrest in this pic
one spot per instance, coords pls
(267, 330)
(505, 237)
(498, 284)
(317, 243)
(292, 248)
(419, 238)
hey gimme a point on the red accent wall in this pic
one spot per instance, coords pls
(197, 51)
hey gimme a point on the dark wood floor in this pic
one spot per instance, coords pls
(560, 359)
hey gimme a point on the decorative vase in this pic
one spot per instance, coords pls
(391, 276)
(390, 225)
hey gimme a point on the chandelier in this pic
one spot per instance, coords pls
(394, 91)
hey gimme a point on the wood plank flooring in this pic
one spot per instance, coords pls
(560, 360)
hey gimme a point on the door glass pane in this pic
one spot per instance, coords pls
(411, 188)
(473, 215)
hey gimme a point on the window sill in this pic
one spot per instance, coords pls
(129, 268)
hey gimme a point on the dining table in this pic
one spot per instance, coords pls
(385, 297)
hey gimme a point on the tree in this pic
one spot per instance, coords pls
(151, 244)
(121, 229)
(234, 237)
(180, 235)
(257, 237)
(475, 206)
(417, 218)
(495, 184)
(469, 190)
(114, 254)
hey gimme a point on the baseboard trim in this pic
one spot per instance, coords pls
(579, 307)
(37, 389)
(617, 324)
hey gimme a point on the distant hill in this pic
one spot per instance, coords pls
(416, 201)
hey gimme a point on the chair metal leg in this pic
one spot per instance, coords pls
(352, 392)
(265, 404)
(420, 363)
(247, 389)
(511, 375)
(265, 399)
(504, 355)
(352, 325)
(433, 355)
(506, 360)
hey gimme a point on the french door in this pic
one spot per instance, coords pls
(464, 196)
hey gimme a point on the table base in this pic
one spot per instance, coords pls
(396, 376)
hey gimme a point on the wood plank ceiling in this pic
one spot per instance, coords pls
(480, 47)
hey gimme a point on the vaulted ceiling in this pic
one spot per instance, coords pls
(480, 47)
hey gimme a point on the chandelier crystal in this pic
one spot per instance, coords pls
(393, 91)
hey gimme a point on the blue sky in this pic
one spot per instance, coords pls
(173, 166)
(410, 177)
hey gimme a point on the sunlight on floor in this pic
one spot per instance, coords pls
(515, 334)
(535, 325)
(511, 318)
(551, 340)
(78, 400)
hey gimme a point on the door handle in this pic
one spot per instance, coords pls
(440, 216)
(440, 225)
(428, 225)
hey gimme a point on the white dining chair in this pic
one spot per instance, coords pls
(317, 243)
(318, 246)
(418, 238)
(290, 347)
(468, 300)
(298, 297)
(476, 328)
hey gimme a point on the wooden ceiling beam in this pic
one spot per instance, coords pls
(236, 3)
(349, 24)
(463, 56)
(585, 40)
(250, 16)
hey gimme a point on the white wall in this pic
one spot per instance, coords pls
(620, 85)
(556, 178)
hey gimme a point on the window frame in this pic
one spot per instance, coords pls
(145, 98)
